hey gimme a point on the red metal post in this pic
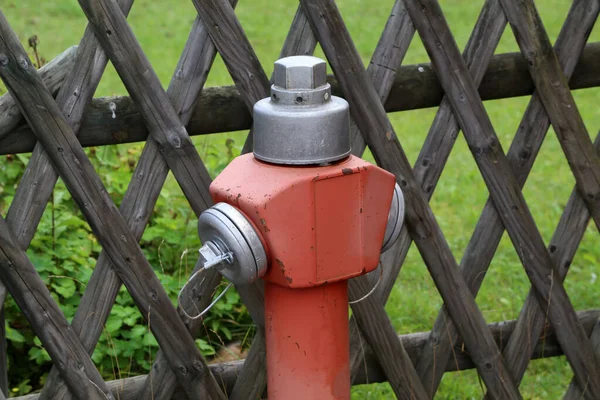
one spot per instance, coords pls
(307, 342)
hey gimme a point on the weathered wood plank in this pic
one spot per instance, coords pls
(221, 109)
(574, 392)
(387, 57)
(238, 55)
(571, 40)
(377, 329)
(143, 192)
(53, 74)
(385, 62)
(125, 53)
(370, 116)
(503, 186)
(227, 373)
(60, 143)
(34, 299)
(521, 155)
(147, 182)
(434, 154)
(39, 177)
(3, 352)
(553, 89)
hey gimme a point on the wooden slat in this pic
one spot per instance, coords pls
(574, 392)
(379, 134)
(387, 57)
(3, 351)
(377, 329)
(39, 177)
(571, 40)
(53, 131)
(142, 193)
(490, 32)
(242, 63)
(53, 74)
(563, 245)
(145, 89)
(521, 155)
(227, 373)
(34, 299)
(221, 109)
(147, 182)
(553, 89)
(385, 62)
(503, 186)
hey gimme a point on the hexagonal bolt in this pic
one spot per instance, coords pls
(300, 72)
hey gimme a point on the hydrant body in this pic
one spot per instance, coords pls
(322, 225)
(321, 215)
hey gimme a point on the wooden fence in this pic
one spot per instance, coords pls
(413, 364)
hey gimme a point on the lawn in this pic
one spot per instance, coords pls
(162, 28)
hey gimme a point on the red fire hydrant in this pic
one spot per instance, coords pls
(306, 216)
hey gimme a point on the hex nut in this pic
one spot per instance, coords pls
(300, 73)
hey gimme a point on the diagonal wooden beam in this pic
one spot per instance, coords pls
(521, 156)
(39, 177)
(142, 193)
(238, 55)
(553, 89)
(53, 74)
(554, 93)
(387, 58)
(503, 186)
(563, 246)
(44, 315)
(59, 141)
(370, 116)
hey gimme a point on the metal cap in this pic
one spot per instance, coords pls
(395, 220)
(231, 244)
(301, 123)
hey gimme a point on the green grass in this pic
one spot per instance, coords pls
(162, 28)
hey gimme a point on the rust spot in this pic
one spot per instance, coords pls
(315, 178)
(282, 268)
(361, 210)
(388, 135)
(347, 171)
(264, 224)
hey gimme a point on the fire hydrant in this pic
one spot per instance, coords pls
(305, 216)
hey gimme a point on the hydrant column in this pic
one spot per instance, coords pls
(307, 342)
(318, 216)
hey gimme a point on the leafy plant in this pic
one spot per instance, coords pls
(64, 251)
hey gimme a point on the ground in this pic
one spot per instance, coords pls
(162, 27)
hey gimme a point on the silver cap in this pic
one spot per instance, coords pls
(301, 123)
(231, 244)
(395, 220)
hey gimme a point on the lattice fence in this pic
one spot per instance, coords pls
(413, 364)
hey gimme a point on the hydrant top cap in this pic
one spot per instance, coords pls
(301, 123)
(300, 72)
